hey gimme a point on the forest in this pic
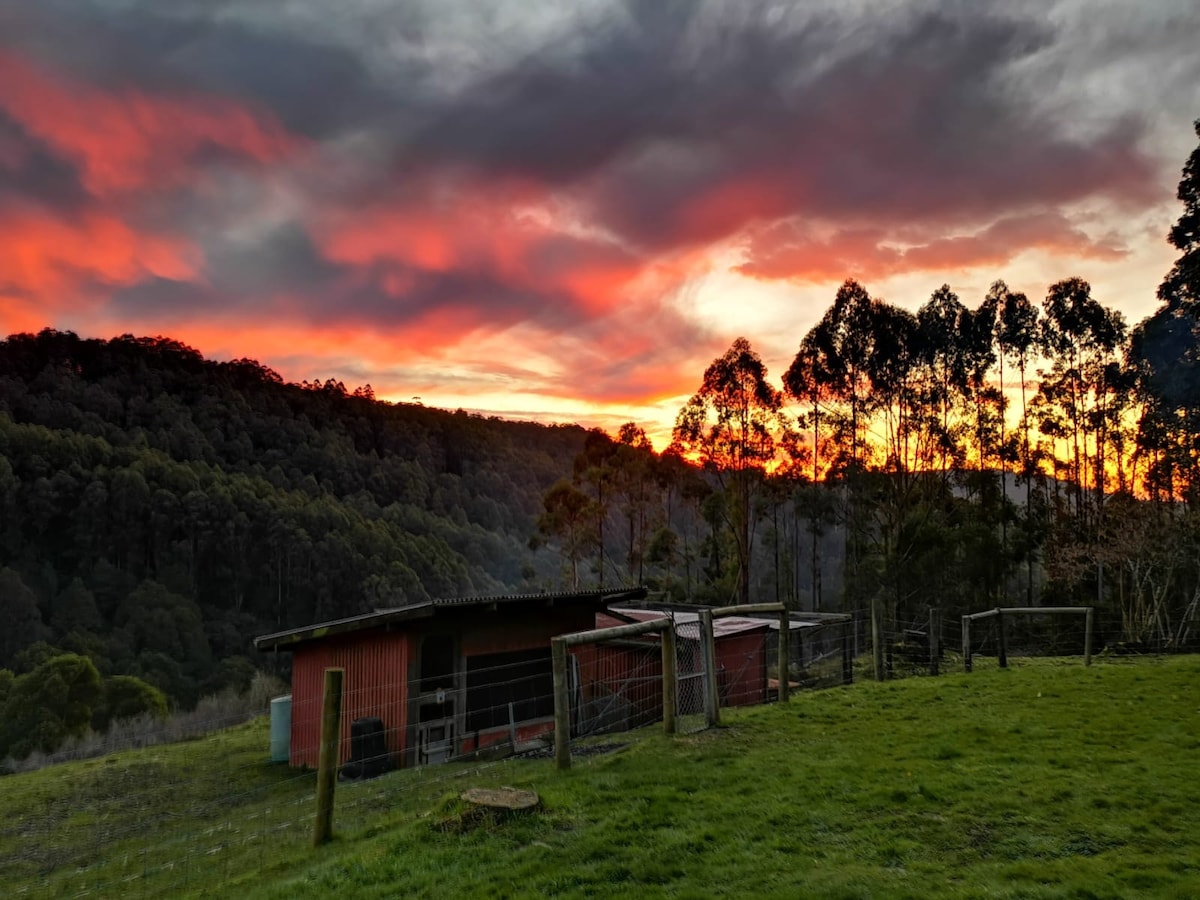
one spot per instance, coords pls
(158, 509)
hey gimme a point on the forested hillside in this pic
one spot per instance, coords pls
(158, 509)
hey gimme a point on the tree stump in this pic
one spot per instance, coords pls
(501, 798)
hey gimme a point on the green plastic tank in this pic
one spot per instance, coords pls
(281, 728)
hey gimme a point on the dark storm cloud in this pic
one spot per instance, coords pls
(673, 123)
(915, 121)
(578, 102)
(283, 260)
(681, 127)
(315, 89)
(29, 172)
(333, 294)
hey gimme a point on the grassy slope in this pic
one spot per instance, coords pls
(1043, 781)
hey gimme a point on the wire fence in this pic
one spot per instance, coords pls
(152, 827)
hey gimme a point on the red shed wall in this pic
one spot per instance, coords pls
(631, 673)
(493, 632)
(376, 664)
(499, 633)
(743, 659)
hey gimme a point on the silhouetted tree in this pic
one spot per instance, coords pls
(733, 425)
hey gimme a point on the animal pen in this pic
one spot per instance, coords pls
(686, 665)
(1006, 631)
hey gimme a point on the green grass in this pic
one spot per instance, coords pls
(1049, 780)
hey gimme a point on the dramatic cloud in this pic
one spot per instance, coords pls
(789, 251)
(42, 255)
(132, 139)
(532, 200)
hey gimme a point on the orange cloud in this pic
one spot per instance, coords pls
(43, 256)
(16, 315)
(125, 140)
(505, 232)
(790, 252)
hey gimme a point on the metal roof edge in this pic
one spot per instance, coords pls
(427, 608)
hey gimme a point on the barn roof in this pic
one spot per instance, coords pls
(426, 609)
(687, 622)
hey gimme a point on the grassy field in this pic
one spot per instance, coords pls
(1046, 780)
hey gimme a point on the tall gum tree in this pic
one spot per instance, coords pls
(1165, 350)
(1016, 340)
(734, 426)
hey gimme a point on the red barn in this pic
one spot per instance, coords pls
(445, 677)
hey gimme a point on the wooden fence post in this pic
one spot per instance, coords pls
(708, 650)
(877, 637)
(785, 639)
(1087, 636)
(1001, 640)
(668, 676)
(935, 641)
(966, 638)
(562, 704)
(848, 629)
(327, 763)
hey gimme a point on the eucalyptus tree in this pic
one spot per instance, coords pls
(595, 466)
(1080, 338)
(632, 463)
(896, 344)
(810, 382)
(568, 517)
(979, 357)
(831, 371)
(1166, 352)
(1016, 332)
(900, 510)
(734, 425)
(943, 322)
(840, 348)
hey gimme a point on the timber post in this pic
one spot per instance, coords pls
(935, 641)
(668, 676)
(877, 638)
(966, 639)
(562, 704)
(1001, 641)
(1088, 619)
(785, 639)
(848, 632)
(327, 763)
(708, 650)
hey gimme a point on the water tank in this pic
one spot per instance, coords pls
(281, 728)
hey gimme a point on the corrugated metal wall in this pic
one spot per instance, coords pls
(376, 664)
(495, 632)
(621, 685)
(742, 668)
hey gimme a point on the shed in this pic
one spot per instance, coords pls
(445, 677)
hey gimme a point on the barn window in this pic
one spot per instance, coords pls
(525, 679)
(437, 662)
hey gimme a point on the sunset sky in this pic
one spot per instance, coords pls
(564, 210)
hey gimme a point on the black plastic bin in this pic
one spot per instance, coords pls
(368, 749)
